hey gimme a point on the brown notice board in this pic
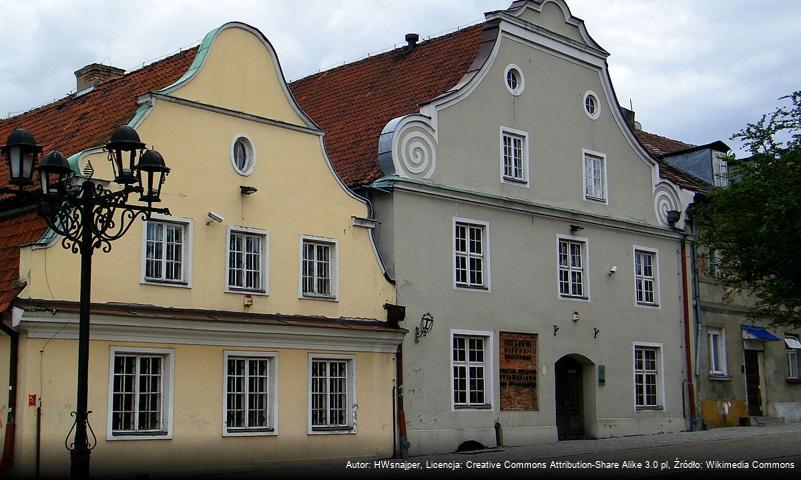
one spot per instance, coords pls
(518, 369)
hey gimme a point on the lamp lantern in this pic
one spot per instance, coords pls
(152, 171)
(123, 149)
(53, 170)
(21, 151)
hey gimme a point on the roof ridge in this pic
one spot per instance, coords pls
(369, 56)
(668, 138)
(74, 95)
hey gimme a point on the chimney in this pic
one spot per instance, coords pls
(411, 41)
(93, 74)
(629, 116)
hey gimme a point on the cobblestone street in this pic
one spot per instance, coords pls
(740, 451)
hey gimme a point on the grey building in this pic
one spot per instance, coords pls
(747, 370)
(524, 223)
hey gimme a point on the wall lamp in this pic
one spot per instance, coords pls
(576, 228)
(246, 190)
(426, 323)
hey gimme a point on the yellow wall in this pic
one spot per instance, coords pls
(297, 194)
(197, 442)
(723, 413)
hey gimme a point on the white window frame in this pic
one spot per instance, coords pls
(524, 160)
(521, 81)
(485, 247)
(251, 152)
(712, 332)
(585, 269)
(333, 268)
(720, 170)
(489, 371)
(272, 370)
(186, 266)
(168, 377)
(655, 268)
(597, 113)
(792, 354)
(352, 412)
(660, 376)
(265, 263)
(604, 171)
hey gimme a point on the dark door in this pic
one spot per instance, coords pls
(752, 383)
(569, 404)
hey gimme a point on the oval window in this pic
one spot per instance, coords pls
(243, 155)
(514, 80)
(591, 105)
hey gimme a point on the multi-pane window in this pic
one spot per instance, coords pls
(165, 245)
(646, 376)
(720, 171)
(594, 177)
(513, 156)
(246, 261)
(470, 255)
(330, 394)
(793, 346)
(469, 371)
(248, 394)
(317, 269)
(717, 351)
(138, 394)
(645, 277)
(571, 269)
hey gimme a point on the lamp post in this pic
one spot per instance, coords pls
(88, 216)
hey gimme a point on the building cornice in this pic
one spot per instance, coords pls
(151, 324)
(511, 204)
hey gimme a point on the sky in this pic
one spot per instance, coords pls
(694, 70)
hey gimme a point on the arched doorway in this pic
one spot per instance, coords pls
(574, 397)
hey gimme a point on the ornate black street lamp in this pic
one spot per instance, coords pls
(88, 216)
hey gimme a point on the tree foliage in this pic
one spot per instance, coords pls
(755, 223)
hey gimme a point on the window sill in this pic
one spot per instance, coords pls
(245, 291)
(647, 305)
(483, 406)
(719, 377)
(165, 283)
(344, 430)
(601, 201)
(572, 297)
(249, 432)
(515, 181)
(793, 381)
(462, 286)
(140, 436)
(325, 298)
(653, 407)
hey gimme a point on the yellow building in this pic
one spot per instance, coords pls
(249, 326)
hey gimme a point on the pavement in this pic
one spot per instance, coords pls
(738, 452)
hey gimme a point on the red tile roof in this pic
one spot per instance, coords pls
(15, 230)
(659, 146)
(354, 102)
(73, 124)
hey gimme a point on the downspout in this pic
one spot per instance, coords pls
(687, 354)
(696, 304)
(8, 446)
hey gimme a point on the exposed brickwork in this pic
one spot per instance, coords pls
(518, 370)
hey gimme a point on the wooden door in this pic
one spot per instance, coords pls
(752, 383)
(569, 399)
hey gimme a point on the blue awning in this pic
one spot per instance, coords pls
(751, 332)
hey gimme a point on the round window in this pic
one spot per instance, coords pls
(591, 105)
(242, 155)
(514, 80)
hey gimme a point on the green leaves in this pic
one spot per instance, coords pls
(756, 222)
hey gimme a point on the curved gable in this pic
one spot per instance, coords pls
(237, 68)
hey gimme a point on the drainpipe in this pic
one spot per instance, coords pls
(696, 305)
(402, 437)
(688, 355)
(8, 446)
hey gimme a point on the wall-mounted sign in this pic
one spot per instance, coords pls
(518, 370)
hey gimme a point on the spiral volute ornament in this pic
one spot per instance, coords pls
(415, 152)
(665, 200)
